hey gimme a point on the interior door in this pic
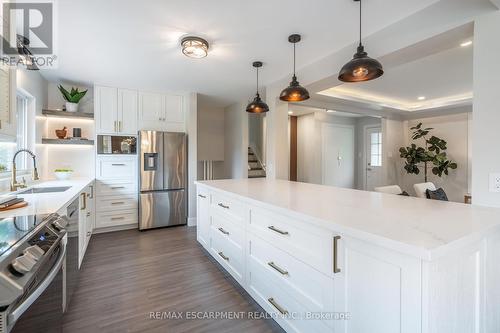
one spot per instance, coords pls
(338, 155)
(373, 158)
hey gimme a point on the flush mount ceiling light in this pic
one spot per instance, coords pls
(467, 43)
(421, 98)
(361, 67)
(257, 105)
(294, 92)
(194, 47)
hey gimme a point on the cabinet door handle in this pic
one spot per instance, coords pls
(115, 126)
(91, 194)
(117, 218)
(223, 206)
(202, 196)
(223, 231)
(221, 254)
(120, 127)
(117, 187)
(118, 164)
(277, 306)
(336, 268)
(84, 201)
(89, 233)
(277, 268)
(273, 228)
(88, 214)
(117, 203)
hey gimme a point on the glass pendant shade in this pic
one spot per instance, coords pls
(361, 68)
(294, 92)
(257, 105)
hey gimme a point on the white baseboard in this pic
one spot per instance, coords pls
(116, 228)
(191, 221)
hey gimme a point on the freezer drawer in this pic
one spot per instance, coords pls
(162, 209)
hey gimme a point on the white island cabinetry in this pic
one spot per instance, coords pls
(319, 266)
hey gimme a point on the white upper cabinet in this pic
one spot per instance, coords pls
(106, 109)
(115, 110)
(161, 112)
(127, 111)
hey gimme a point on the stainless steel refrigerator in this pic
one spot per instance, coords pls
(162, 179)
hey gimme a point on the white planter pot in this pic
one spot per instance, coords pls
(71, 107)
(60, 175)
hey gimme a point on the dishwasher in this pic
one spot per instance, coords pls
(72, 269)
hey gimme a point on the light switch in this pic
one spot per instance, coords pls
(494, 182)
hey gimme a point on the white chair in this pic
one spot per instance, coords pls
(420, 189)
(391, 189)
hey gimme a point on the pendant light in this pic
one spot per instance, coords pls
(257, 105)
(294, 92)
(361, 67)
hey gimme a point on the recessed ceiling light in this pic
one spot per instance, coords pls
(290, 112)
(330, 111)
(194, 47)
(421, 98)
(467, 43)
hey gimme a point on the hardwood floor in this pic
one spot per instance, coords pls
(128, 275)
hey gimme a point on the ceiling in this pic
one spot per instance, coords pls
(300, 110)
(442, 78)
(135, 44)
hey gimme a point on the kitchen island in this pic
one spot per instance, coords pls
(325, 259)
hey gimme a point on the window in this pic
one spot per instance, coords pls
(8, 148)
(376, 149)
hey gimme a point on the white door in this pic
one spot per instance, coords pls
(106, 110)
(127, 111)
(373, 158)
(378, 289)
(151, 111)
(338, 155)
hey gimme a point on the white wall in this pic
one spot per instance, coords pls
(211, 139)
(236, 141)
(485, 129)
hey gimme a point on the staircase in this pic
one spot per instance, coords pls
(255, 168)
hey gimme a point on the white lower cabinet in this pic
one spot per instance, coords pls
(86, 220)
(310, 279)
(116, 192)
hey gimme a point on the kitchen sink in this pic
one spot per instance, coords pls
(35, 190)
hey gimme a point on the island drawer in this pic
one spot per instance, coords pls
(229, 254)
(309, 287)
(307, 243)
(231, 208)
(233, 232)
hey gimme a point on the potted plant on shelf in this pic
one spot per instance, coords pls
(433, 153)
(72, 98)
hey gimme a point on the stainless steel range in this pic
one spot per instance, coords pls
(32, 259)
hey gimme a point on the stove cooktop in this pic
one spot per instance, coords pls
(14, 229)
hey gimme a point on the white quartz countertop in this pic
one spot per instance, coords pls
(420, 227)
(47, 203)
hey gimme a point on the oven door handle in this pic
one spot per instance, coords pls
(21, 308)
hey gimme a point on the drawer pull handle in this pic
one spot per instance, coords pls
(277, 268)
(202, 196)
(273, 228)
(221, 254)
(117, 187)
(336, 268)
(277, 306)
(223, 231)
(117, 218)
(118, 164)
(118, 203)
(223, 206)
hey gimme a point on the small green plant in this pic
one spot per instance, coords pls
(73, 96)
(434, 152)
(63, 170)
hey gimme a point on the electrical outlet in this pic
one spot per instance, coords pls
(494, 182)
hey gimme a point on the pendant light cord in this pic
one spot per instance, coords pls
(294, 59)
(257, 80)
(360, 22)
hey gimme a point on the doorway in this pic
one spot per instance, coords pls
(373, 158)
(338, 155)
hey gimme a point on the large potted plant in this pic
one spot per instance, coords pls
(72, 98)
(434, 154)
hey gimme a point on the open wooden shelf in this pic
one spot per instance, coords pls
(67, 142)
(65, 114)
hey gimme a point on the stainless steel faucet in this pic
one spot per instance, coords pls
(14, 185)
